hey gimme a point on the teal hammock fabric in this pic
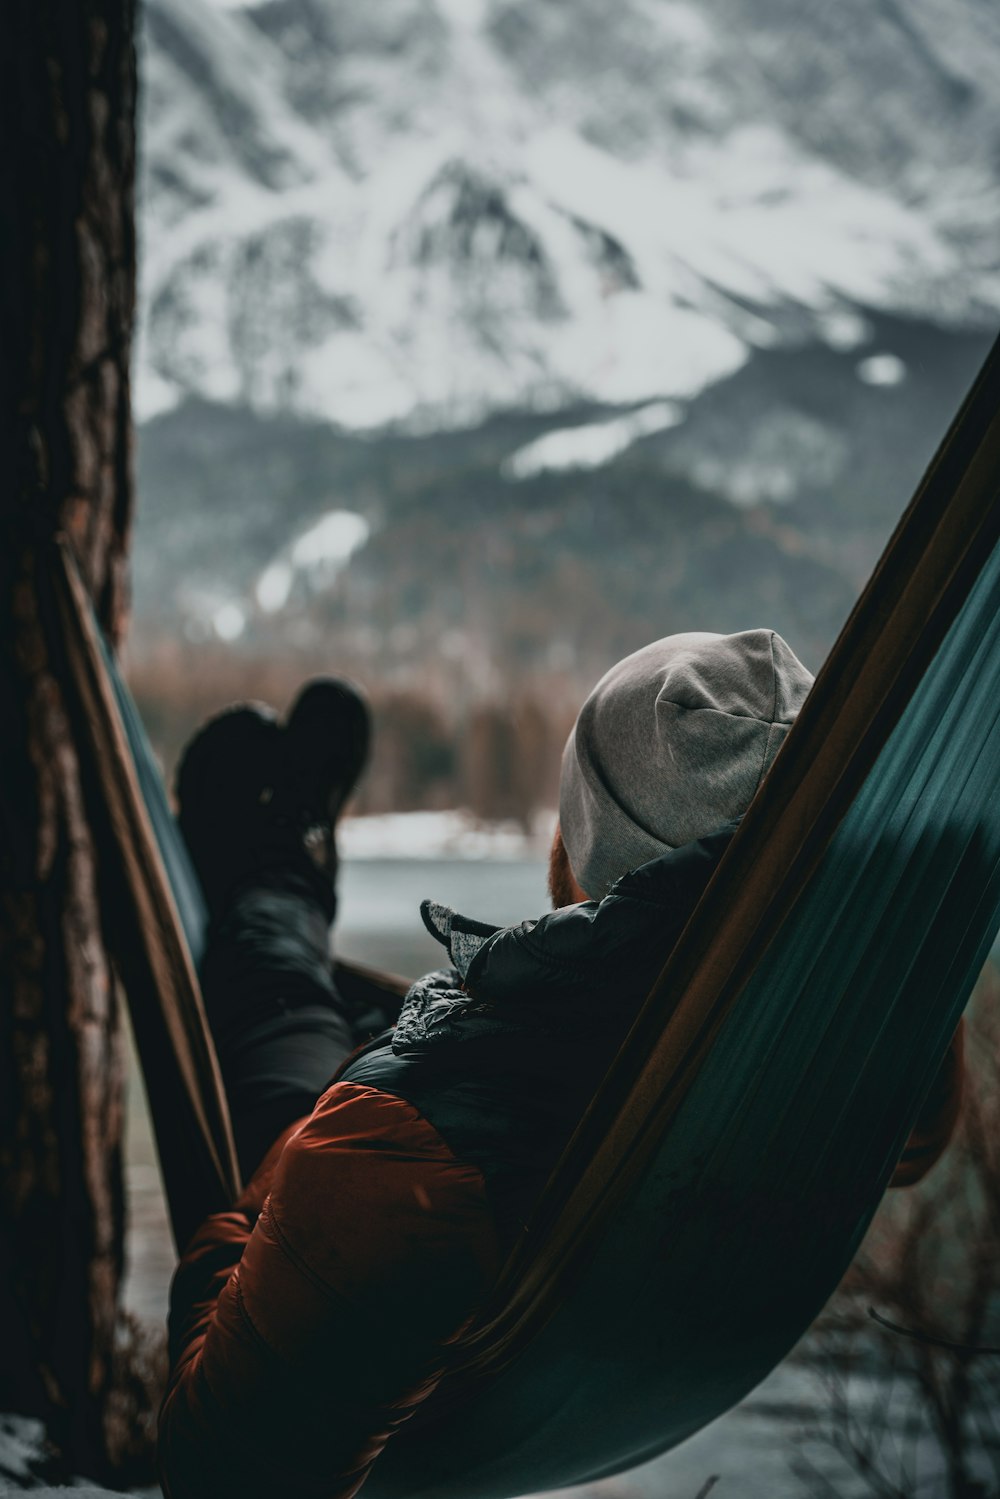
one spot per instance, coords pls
(188, 897)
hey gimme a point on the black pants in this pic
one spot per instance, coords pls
(280, 1026)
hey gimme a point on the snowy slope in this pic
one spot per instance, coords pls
(425, 210)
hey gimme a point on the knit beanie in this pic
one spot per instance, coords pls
(672, 743)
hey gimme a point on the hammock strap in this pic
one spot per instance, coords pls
(143, 929)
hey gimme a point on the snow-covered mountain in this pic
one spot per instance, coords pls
(422, 211)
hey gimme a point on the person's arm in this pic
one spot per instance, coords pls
(937, 1119)
(212, 1255)
(302, 1341)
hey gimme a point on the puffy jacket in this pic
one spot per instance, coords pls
(312, 1320)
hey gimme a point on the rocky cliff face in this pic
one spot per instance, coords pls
(428, 210)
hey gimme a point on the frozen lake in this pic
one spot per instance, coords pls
(379, 918)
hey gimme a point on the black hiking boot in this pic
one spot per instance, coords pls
(253, 794)
(327, 742)
(225, 783)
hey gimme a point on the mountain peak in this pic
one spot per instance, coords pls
(438, 210)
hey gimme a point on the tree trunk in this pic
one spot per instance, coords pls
(67, 258)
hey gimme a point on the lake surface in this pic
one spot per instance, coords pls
(379, 917)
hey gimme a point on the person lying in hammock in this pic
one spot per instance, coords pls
(388, 1179)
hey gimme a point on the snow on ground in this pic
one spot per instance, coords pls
(778, 1444)
(320, 553)
(590, 445)
(23, 1463)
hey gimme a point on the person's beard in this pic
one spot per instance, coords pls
(563, 888)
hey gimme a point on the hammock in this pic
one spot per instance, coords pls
(724, 1175)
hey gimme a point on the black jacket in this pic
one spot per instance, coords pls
(502, 1052)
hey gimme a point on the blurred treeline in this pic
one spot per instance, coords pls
(497, 755)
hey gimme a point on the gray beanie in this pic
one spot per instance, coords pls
(672, 743)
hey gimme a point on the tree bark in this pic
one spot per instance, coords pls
(67, 278)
